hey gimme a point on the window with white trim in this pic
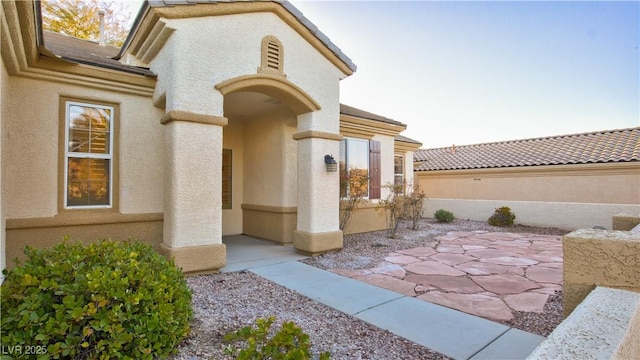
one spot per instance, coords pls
(398, 169)
(88, 162)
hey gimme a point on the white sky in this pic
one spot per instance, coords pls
(472, 72)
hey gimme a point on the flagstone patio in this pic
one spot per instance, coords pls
(487, 274)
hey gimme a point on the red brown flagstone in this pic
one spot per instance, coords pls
(473, 247)
(544, 274)
(510, 261)
(479, 268)
(452, 259)
(505, 284)
(386, 268)
(456, 284)
(433, 268)
(351, 273)
(389, 283)
(530, 302)
(555, 265)
(454, 249)
(420, 251)
(489, 253)
(401, 259)
(475, 304)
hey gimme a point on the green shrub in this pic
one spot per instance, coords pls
(502, 217)
(290, 342)
(105, 300)
(443, 215)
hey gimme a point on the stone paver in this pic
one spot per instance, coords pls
(482, 273)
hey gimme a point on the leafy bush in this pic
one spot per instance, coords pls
(502, 217)
(290, 342)
(109, 299)
(443, 215)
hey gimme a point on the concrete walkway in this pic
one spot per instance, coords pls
(448, 331)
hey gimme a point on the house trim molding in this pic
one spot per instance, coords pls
(179, 115)
(317, 135)
(275, 86)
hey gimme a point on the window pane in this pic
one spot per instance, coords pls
(88, 181)
(89, 129)
(398, 165)
(357, 162)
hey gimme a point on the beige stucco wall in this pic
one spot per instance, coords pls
(595, 257)
(32, 145)
(571, 197)
(4, 91)
(606, 325)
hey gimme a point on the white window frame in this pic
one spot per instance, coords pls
(68, 154)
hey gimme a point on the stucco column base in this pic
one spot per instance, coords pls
(317, 243)
(196, 260)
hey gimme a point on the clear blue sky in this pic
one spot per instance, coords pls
(473, 72)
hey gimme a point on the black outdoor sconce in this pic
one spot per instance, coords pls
(330, 162)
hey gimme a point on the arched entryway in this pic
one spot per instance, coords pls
(259, 165)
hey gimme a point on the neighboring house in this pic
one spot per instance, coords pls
(213, 119)
(567, 181)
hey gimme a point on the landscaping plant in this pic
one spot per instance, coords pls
(394, 208)
(105, 300)
(289, 343)
(353, 186)
(413, 203)
(502, 217)
(443, 216)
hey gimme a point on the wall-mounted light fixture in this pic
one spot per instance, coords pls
(330, 162)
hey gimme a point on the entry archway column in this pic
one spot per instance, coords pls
(318, 228)
(192, 233)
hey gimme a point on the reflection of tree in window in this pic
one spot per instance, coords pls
(354, 157)
(88, 155)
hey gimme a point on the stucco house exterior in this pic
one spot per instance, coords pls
(213, 119)
(568, 181)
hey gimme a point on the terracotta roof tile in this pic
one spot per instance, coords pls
(620, 145)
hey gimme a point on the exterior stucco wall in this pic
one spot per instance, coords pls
(270, 164)
(4, 91)
(569, 197)
(599, 258)
(32, 145)
(606, 325)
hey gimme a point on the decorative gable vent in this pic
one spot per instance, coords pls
(272, 59)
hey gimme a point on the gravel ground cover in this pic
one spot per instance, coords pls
(230, 301)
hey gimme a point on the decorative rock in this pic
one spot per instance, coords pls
(389, 283)
(479, 305)
(433, 268)
(452, 259)
(529, 301)
(386, 268)
(510, 260)
(450, 284)
(505, 284)
(421, 251)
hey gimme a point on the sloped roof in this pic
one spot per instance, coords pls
(88, 52)
(286, 4)
(351, 111)
(407, 140)
(622, 145)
